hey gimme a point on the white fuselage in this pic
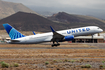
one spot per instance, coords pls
(46, 37)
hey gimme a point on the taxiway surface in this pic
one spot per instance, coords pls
(96, 46)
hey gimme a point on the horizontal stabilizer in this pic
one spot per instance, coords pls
(15, 41)
(33, 32)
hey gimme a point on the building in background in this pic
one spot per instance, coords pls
(97, 38)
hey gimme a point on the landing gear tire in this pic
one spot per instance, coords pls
(52, 45)
(55, 45)
(58, 44)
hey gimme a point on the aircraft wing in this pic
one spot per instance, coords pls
(56, 36)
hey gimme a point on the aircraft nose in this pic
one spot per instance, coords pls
(101, 30)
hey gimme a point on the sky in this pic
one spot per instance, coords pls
(82, 7)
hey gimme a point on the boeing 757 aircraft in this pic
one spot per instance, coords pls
(54, 36)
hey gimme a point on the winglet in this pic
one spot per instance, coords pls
(33, 32)
(52, 29)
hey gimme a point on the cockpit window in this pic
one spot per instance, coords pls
(98, 28)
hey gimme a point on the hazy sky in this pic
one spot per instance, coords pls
(85, 7)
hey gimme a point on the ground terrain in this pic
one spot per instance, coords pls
(67, 56)
(43, 57)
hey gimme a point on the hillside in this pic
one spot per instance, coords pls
(33, 22)
(77, 20)
(9, 8)
(30, 22)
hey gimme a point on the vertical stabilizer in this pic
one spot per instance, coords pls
(13, 33)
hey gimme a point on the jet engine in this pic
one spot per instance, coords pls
(68, 38)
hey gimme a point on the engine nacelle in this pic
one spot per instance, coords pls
(68, 38)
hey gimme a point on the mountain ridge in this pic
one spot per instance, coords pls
(32, 22)
(64, 16)
(77, 20)
(9, 8)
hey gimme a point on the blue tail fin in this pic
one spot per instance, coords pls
(13, 33)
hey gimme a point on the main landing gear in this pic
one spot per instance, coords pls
(55, 44)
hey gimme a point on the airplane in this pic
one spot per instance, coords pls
(54, 36)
